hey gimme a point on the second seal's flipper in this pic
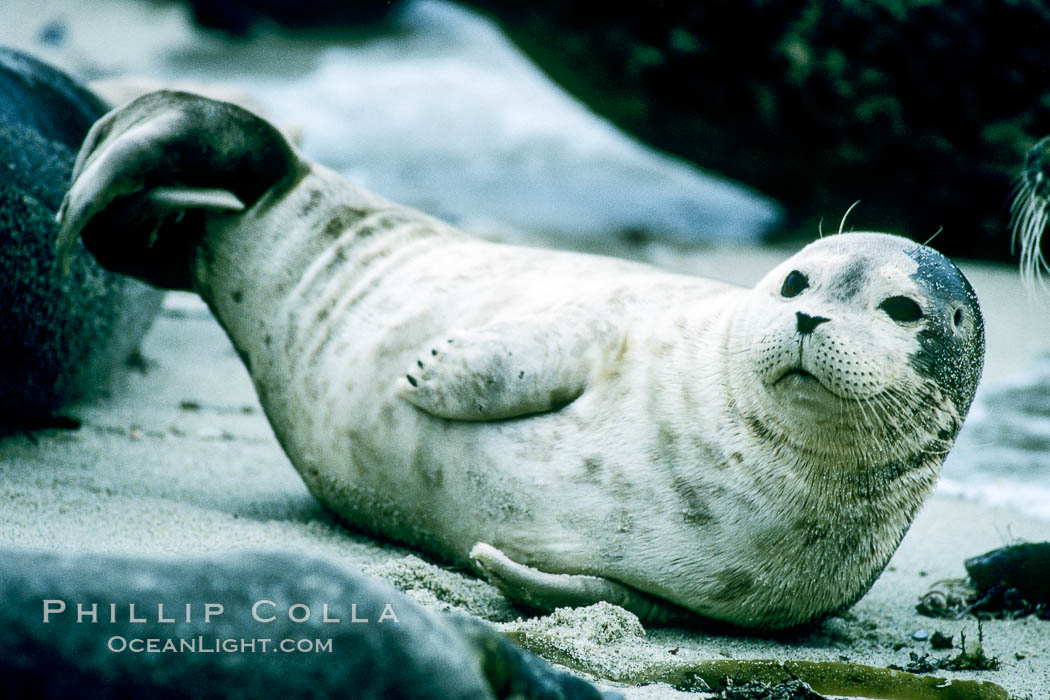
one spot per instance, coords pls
(147, 172)
(544, 592)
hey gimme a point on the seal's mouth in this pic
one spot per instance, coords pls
(802, 384)
(796, 374)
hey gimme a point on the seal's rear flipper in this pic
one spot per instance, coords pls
(545, 592)
(150, 172)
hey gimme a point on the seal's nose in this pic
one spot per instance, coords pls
(807, 323)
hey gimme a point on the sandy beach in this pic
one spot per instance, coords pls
(181, 460)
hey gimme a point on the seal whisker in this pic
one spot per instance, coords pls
(868, 422)
(843, 222)
(1026, 227)
(936, 233)
(904, 406)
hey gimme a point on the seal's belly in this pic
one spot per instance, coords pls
(380, 462)
(611, 485)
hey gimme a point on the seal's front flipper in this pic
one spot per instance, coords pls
(507, 369)
(545, 592)
(150, 173)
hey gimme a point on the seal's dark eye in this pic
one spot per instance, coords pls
(794, 284)
(902, 309)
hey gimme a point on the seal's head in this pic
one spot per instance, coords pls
(861, 335)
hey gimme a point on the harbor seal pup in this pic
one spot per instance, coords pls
(579, 428)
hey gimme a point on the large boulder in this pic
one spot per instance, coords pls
(245, 625)
(62, 337)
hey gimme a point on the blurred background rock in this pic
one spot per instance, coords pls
(431, 106)
(63, 337)
(238, 17)
(922, 110)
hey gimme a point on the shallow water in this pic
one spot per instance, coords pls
(1002, 455)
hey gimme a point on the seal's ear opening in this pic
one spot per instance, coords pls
(151, 172)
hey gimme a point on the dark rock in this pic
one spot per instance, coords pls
(756, 690)
(46, 101)
(54, 33)
(1005, 583)
(939, 640)
(1024, 567)
(62, 337)
(239, 16)
(924, 111)
(402, 651)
